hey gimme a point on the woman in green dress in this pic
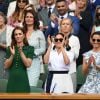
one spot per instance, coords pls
(19, 57)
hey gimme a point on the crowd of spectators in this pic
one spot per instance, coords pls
(63, 35)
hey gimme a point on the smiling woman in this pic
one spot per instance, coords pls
(19, 57)
(37, 40)
(58, 60)
(16, 18)
(91, 66)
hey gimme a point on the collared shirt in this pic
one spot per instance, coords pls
(56, 61)
(64, 16)
(52, 7)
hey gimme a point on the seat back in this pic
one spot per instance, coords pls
(3, 85)
(35, 89)
(80, 77)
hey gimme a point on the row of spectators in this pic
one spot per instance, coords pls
(60, 32)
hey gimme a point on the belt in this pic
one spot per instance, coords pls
(58, 72)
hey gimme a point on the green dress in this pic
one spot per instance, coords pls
(18, 80)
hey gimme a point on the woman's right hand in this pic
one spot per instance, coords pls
(12, 50)
(49, 40)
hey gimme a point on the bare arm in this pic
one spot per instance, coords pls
(93, 30)
(8, 62)
(3, 46)
(85, 66)
(46, 56)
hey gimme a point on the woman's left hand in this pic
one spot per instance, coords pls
(20, 49)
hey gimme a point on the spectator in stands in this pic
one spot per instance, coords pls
(3, 22)
(44, 14)
(16, 18)
(12, 6)
(19, 57)
(91, 66)
(37, 40)
(5, 32)
(31, 7)
(86, 23)
(96, 26)
(41, 5)
(4, 6)
(74, 45)
(92, 4)
(58, 60)
(63, 12)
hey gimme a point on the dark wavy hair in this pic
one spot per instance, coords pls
(13, 42)
(17, 10)
(95, 33)
(67, 46)
(36, 20)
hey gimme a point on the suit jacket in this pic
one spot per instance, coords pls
(43, 15)
(53, 30)
(92, 6)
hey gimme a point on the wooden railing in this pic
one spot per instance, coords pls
(49, 96)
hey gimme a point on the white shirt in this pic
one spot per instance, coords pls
(64, 16)
(52, 7)
(56, 61)
(75, 47)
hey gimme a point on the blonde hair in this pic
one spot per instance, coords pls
(71, 22)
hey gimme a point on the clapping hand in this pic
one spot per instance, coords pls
(91, 60)
(62, 44)
(12, 50)
(49, 40)
(20, 49)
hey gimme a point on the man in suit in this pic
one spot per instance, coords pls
(92, 4)
(44, 14)
(62, 12)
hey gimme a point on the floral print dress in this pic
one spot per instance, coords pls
(92, 84)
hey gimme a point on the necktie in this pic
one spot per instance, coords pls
(62, 17)
(49, 12)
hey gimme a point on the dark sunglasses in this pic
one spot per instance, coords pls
(60, 40)
(97, 14)
(98, 40)
(23, 1)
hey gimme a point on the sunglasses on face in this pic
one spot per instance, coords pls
(60, 40)
(98, 40)
(97, 14)
(23, 1)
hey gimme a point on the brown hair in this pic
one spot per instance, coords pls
(17, 11)
(4, 17)
(13, 42)
(36, 20)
